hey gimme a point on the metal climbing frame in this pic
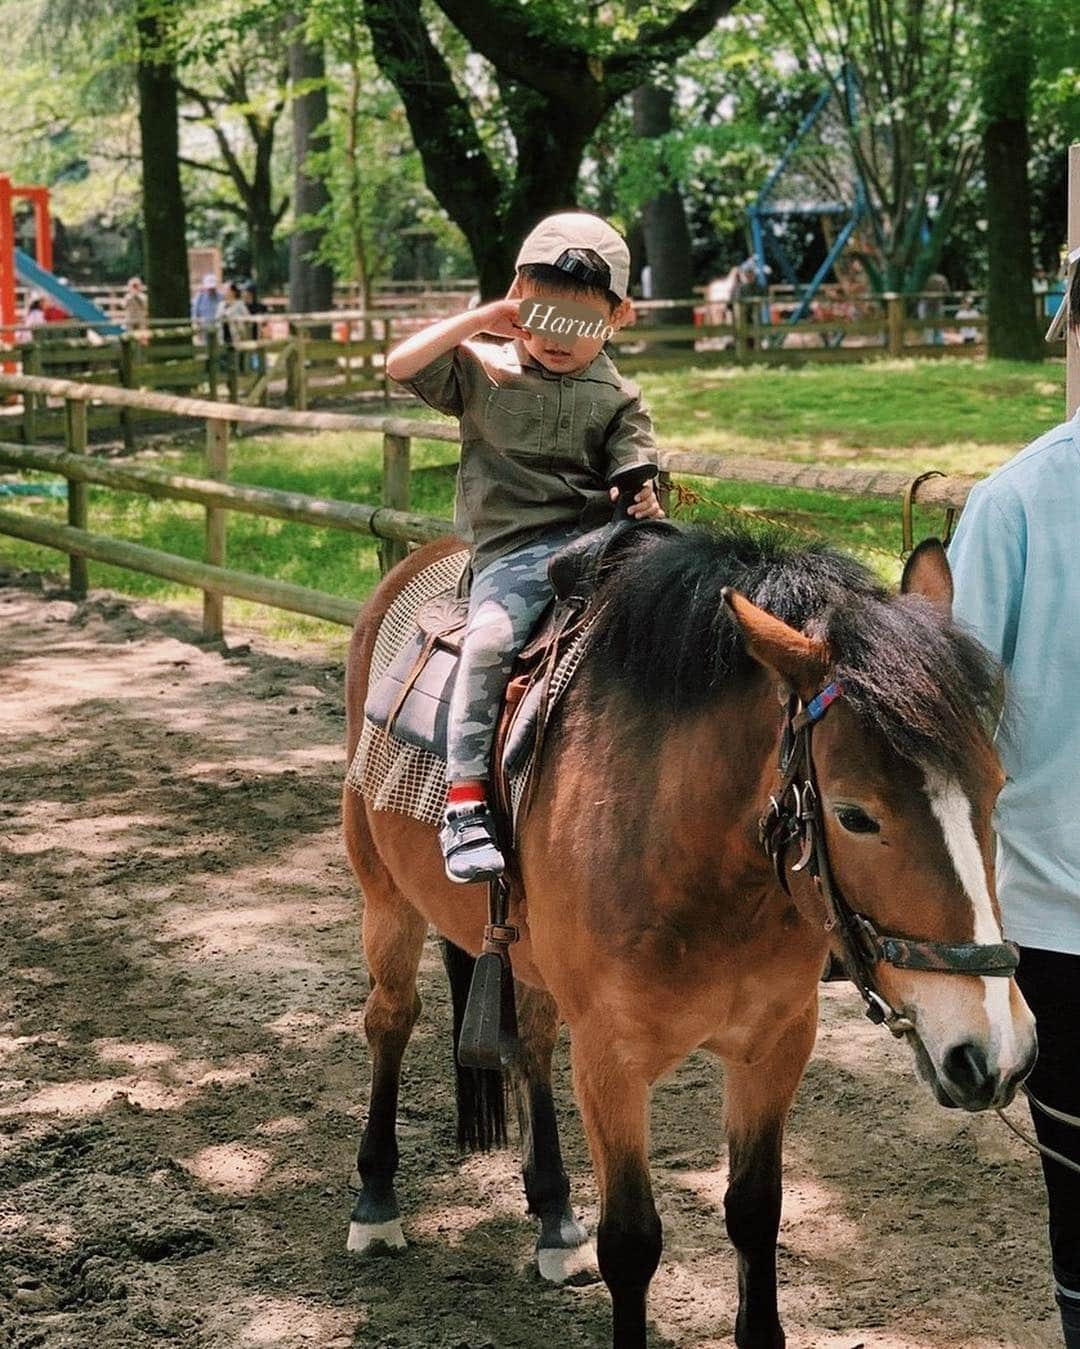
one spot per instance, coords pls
(851, 213)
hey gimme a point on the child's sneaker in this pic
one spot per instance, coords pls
(468, 845)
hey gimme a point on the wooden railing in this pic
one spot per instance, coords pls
(342, 353)
(392, 521)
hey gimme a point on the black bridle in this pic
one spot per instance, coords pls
(794, 815)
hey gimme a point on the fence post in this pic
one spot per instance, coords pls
(217, 467)
(212, 347)
(348, 339)
(741, 309)
(385, 352)
(395, 494)
(75, 436)
(232, 374)
(894, 319)
(300, 389)
(127, 381)
(33, 366)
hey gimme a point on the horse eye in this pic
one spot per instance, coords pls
(856, 821)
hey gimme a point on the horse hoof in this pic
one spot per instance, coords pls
(574, 1265)
(364, 1237)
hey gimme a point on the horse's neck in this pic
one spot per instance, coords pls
(703, 776)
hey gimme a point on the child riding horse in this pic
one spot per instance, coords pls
(547, 425)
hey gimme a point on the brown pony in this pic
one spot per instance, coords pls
(653, 921)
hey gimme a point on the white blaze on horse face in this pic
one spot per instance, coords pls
(1010, 1039)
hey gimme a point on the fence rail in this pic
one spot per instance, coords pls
(392, 522)
(301, 358)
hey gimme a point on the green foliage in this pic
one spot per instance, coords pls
(911, 129)
(66, 108)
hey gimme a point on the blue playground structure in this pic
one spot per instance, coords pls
(77, 305)
(793, 192)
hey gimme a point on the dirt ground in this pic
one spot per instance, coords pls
(184, 1074)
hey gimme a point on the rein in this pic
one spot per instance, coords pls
(795, 815)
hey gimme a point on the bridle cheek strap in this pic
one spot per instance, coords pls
(795, 814)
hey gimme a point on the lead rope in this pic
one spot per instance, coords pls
(1059, 1115)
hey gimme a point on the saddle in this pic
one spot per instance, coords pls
(411, 701)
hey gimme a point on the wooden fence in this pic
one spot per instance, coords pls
(392, 521)
(302, 359)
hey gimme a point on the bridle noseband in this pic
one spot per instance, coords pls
(795, 815)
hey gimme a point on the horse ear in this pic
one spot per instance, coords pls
(927, 573)
(799, 660)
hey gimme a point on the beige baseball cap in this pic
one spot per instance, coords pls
(557, 237)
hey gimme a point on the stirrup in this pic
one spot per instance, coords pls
(468, 846)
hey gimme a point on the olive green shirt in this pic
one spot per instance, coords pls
(537, 448)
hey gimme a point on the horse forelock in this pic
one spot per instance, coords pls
(665, 640)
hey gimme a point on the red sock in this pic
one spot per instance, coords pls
(466, 794)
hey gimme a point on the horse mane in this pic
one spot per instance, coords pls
(664, 638)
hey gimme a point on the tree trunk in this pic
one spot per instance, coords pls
(570, 91)
(164, 219)
(264, 258)
(311, 283)
(664, 227)
(1007, 70)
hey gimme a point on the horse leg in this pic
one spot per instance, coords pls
(393, 935)
(756, 1102)
(614, 1102)
(564, 1252)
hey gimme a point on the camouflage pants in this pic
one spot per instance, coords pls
(506, 599)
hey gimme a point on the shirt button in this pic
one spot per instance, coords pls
(565, 382)
(564, 421)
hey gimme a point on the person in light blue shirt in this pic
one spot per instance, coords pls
(1016, 571)
(206, 306)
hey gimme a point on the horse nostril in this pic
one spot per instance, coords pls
(966, 1067)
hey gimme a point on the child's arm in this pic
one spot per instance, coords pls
(631, 443)
(422, 348)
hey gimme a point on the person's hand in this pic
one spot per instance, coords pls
(500, 318)
(645, 507)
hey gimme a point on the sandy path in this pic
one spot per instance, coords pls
(183, 1072)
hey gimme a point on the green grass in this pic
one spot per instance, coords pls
(958, 416)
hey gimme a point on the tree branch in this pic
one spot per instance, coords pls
(207, 168)
(663, 43)
(456, 167)
(522, 48)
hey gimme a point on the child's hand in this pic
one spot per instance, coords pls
(645, 507)
(500, 318)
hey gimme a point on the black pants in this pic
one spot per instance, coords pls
(1050, 981)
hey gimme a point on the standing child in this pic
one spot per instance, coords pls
(547, 426)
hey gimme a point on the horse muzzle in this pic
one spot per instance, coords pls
(966, 1079)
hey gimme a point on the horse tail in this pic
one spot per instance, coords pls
(481, 1092)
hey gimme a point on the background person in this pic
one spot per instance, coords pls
(136, 309)
(969, 310)
(232, 312)
(207, 302)
(255, 306)
(1017, 579)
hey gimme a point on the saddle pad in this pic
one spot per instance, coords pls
(389, 773)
